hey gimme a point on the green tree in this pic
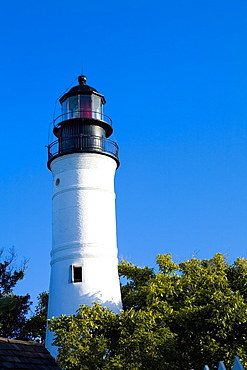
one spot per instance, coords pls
(35, 327)
(178, 316)
(87, 338)
(96, 338)
(13, 308)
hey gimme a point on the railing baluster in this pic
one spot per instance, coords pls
(77, 113)
(82, 143)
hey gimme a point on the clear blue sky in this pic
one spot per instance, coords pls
(174, 74)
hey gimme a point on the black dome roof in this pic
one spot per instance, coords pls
(81, 89)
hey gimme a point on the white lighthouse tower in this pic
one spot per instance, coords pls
(83, 162)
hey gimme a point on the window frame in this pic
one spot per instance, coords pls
(75, 279)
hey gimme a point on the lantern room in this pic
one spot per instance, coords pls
(82, 106)
(82, 101)
(82, 125)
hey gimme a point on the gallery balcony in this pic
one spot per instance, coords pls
(82, 144)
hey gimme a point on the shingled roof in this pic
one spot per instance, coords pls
(17, 354)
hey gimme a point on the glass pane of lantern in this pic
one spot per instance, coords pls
(97, 107)
(64, 111)
(85, 106)
(73, 107)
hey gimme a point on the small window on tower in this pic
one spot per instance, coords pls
(76, 274)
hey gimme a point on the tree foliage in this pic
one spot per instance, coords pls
(179, 316)
(13, 308)
(35, 327)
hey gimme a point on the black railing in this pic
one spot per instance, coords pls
(82, 143)
(82, 113)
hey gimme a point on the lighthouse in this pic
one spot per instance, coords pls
(83, 161)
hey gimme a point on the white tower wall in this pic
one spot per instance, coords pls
(84, 234)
